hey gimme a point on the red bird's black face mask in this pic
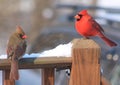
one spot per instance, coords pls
(78, 17)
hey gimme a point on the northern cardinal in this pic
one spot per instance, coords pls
(87, 26)
(15, 49)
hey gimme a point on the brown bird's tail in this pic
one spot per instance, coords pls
(108, 41)
(14, 74)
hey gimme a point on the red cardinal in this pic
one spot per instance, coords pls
(87, 26)
(15, 49)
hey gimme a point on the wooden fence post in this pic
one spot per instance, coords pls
(85, 63)
(48, 76)
(6, 80)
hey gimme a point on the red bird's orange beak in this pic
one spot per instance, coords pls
(24, 36)
(77, 17)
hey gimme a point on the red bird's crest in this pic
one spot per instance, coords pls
(83, 12)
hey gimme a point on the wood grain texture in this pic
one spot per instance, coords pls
(85, 63)
(46, 63)
(5, 78)
(48, 76)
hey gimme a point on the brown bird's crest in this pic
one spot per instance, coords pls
(19, 30)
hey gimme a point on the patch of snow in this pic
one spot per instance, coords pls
(4, 56)
(60, 50)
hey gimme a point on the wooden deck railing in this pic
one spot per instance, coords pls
(46, 63)
(84, 62)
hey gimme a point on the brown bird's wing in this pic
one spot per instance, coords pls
(11, 46)
(96, 25)
(20, 49)
(10, 52)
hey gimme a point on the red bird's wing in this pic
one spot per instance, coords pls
(96, 25)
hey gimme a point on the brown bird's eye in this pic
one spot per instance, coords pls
(21, 35)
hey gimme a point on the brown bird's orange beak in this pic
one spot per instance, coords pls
(24, 36)
(77, 17)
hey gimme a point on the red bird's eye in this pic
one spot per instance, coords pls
(79, 15)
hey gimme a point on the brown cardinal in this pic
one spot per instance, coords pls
(87, 26)
(15, 49)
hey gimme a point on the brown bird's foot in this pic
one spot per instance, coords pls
(16, 59)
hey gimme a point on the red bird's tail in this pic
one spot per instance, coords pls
(14, 74)
(108, 41)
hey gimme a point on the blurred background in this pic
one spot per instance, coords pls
(50, 23)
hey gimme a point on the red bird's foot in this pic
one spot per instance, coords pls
(86, 38)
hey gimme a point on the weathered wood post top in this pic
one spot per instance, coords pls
(85, 63)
